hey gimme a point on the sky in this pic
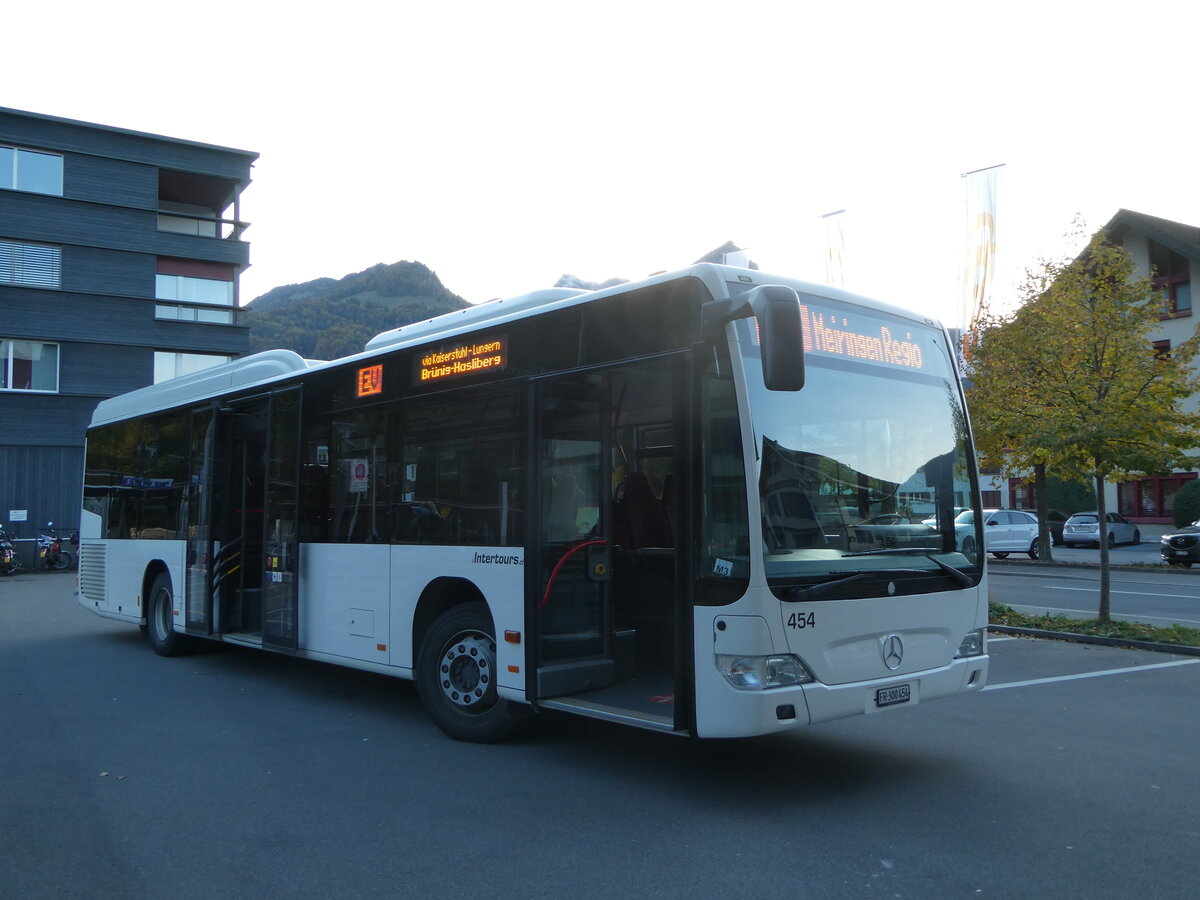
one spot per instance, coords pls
(505, 144)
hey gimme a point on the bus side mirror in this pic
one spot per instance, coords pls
(780, 332)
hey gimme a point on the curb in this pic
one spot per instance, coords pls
(1096, 639)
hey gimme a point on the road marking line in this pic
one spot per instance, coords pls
(1165, 665)
(1094, 590)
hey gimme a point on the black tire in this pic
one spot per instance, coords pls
(1112, 541)
(1033, 549)
(1069, 544)
(62, 560)
(1000, 554)
(456, 676)
(1137, 536)
(160, 620)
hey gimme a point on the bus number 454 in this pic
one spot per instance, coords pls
(802, 620)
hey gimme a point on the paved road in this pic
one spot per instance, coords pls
(1156, 596)
(236, 774)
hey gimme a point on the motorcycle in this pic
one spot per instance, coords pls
(51, 552)
(9, 563)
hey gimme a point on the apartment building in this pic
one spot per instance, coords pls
(120, 254)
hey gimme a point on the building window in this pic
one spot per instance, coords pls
(30, 265)
(31, 170)
(1172, 278)
(169, 365)
(1162, 350)
(991, 499)
(29, 366)
(194, 282)
(1150, 498)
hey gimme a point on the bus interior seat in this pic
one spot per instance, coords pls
(644, 518)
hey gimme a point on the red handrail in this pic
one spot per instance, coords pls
(559, 565)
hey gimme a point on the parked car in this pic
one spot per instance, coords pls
(932, 520)
(1084, 528)
(1005, 531)
(1182, 546)
(1055, 520)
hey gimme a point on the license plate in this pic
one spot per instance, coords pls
(1181, 553)
(890, 696)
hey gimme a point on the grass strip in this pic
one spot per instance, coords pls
(1000, 614)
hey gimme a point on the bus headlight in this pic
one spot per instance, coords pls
(758, 673)
(973, 644)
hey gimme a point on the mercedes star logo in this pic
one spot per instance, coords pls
(893, 651)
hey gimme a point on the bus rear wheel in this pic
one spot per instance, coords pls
(160, 620)
(456, 676)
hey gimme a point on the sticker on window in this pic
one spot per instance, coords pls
(722, 567)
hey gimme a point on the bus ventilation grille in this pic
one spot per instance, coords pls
(93, 565)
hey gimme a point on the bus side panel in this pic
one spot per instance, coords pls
(115, 572)
(344, 601)
(498, 573)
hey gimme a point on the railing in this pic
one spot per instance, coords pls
(201, 226)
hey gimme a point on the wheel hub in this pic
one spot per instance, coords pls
(466, 672)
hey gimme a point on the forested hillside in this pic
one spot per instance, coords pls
(329, 318)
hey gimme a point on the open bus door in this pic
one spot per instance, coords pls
(254, 503)
(595, 654)
(571, 585)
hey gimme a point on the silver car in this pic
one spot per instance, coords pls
(1005, 531)
(1084, 528)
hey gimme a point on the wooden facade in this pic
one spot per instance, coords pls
(116, 184)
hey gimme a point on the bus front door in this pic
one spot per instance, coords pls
(603, 567)
(569, 578)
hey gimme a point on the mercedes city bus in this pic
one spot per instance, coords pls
(714, 502)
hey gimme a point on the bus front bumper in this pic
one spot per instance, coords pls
(730, 712)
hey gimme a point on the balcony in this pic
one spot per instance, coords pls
(199, 205)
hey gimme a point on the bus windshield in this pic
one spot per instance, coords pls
(861, 473)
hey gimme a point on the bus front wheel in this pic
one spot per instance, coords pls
(456, 676)
(160, 620)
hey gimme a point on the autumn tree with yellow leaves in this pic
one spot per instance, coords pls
(1070, 382)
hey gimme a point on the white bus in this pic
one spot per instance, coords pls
(693, 504)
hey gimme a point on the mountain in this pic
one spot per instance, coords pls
(573, 281)
(329, 318)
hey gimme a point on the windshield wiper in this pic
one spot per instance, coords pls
(817, 591)
(958, 576)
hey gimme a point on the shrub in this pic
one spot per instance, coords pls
(1187, 503)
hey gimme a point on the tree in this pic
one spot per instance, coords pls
(1187, 504)
(1071, 382)
(1005, 358)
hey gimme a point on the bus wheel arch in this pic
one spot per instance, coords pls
(160, 612)
(455, 663)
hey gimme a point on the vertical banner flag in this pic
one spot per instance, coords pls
(980, 205)
(835, 249)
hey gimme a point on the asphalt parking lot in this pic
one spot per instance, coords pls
(235, 773)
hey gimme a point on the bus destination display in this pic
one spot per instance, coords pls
(489, 354)
(866, 339)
